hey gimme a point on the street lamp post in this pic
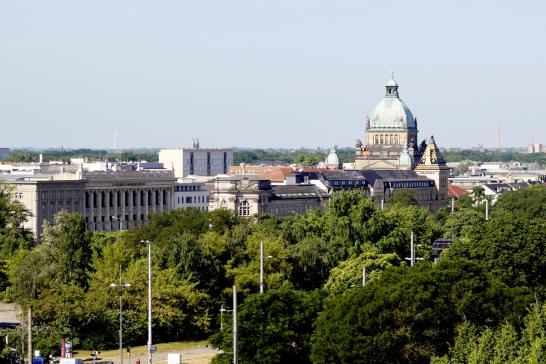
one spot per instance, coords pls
(149, 243)
(262, 266)
(235, 354)
(120, 285)
(413, 256)
(234, 316)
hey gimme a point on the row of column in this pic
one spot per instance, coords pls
(123, 208)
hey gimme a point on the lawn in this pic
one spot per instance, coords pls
(193, 352)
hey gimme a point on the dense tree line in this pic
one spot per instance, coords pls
(347, 155)
(303, 157)
(490, 283)
(22, 155)
(494, 156)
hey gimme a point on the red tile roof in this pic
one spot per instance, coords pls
(456, 191)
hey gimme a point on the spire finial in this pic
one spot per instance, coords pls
(392, 73)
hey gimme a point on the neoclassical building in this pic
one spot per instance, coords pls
(108, 200)
(391, 131)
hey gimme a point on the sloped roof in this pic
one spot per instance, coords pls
(456, 191)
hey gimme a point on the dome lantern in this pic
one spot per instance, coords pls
(392, 86)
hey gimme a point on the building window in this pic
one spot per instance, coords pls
(244, 208)
(188, 199)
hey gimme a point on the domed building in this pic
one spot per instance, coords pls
(390, 128)
(332, 160)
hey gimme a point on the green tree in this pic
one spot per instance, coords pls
(274, 327)
(404, 197)
(277, 269)
(529, 201)
(510, 246)
(505, 344)
(67, 245)
(12, 216)
(408, 315)
(348, 273)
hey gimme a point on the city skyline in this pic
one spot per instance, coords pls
(256, 75)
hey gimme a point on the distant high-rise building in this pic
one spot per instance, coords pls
(196, 161)
(536, 148)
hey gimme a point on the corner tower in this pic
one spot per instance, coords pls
(433, 166)
(389, 128)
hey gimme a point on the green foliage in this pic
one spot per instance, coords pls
(463, 224)
(528, 201)
(506, 344)
(277, 269)
(407, 315)
(67, 245)
(348, 273)
(274, 327)
(91, 154)
(493, 156)
(13, 236)
(510, 246)
(302, 156)
(403, 197)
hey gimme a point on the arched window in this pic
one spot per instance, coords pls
(244, 208)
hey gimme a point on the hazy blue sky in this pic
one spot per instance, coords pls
(283, 73)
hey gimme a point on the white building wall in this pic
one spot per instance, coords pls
(197, 162)
(190, 194)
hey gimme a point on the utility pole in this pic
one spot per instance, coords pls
(149, 344)
(149, 302)
(363, 276)
(486, 209)
(382, 204)
(235, 356)
(29, 335)
(222, 309)
(261, 267)
(413, 258)
(120, 286)
(412, 253)
(453, 204)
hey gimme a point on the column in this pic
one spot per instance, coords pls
(107, 211)
(115, 210)
(153, 205)
(161, 199)
(89, 208)
(122, 209)
(169, 199)
(130, 210)
(138, 208)
(146, 205)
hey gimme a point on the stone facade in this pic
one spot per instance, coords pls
(196, 161)
(433, 166)
(250, 195)
(108, 201)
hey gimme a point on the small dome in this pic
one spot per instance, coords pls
(332, 159)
